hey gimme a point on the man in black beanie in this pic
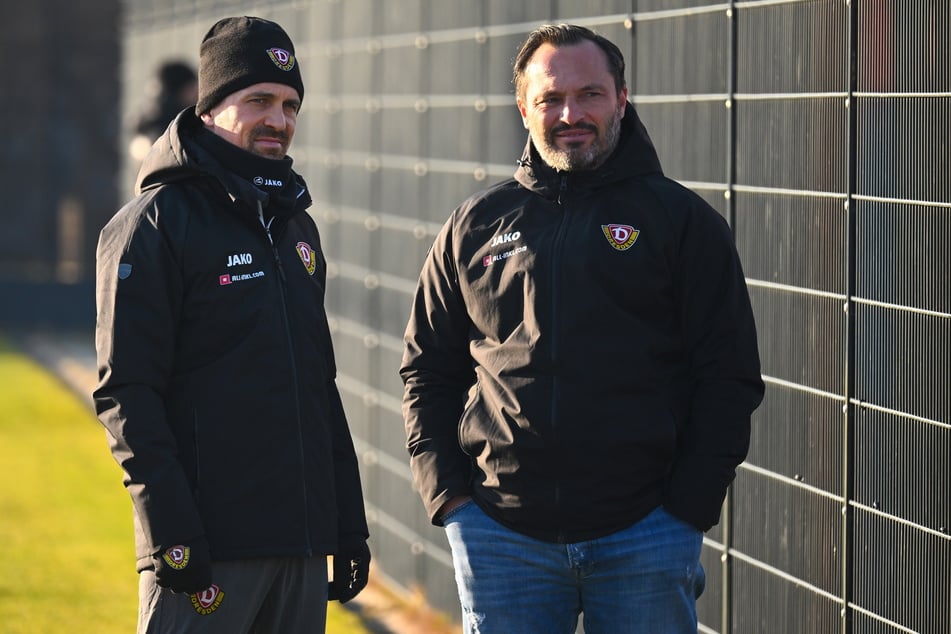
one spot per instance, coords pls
(217, 375)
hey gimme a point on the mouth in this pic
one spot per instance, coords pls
(269, 141)
(269, 146)
(574, 135)
(267, 137)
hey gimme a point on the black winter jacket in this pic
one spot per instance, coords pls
(581, 349)
(217, 377)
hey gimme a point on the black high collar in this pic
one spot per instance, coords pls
(272, 176)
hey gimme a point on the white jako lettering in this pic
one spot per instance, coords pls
(505, 237)
(239, 258)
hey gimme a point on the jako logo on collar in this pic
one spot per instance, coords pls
(260, 181)
(621, 237)
(307, 257)
(281, 58)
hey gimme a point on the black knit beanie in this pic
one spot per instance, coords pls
(239, 52)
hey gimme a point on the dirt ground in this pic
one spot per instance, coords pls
(386, 612)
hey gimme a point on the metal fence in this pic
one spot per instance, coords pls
(818, 128)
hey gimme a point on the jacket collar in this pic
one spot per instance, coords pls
(177, 156)
(634, 156)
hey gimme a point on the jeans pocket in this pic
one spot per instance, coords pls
(676, 520)
(446, 518)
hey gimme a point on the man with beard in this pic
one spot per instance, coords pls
(217, 375)
(580, 367)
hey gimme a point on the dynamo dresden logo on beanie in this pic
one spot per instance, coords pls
(281, 58)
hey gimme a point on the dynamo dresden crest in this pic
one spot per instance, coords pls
(307, 257)
(281, 58)
(177, 557)
(207, 601)
(621, 237)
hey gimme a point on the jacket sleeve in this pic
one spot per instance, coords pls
(351, 514)
(725, 381)
(437, 372)
(138, 297)
(348, 490)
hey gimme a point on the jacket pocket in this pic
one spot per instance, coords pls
(465, 419)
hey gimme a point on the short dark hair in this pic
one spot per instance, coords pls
(567, 35)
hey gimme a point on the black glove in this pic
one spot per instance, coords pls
(185, 567)
(351, 570)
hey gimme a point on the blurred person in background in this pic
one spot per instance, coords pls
(173, 88)
(217, 375)
(580, 368)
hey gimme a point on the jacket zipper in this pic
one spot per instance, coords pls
(197, 491)
(555, 299)
(290, 345)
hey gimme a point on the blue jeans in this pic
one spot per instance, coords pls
(643, 579)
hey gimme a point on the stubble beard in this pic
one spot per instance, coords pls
(576, 159)
(271, 153)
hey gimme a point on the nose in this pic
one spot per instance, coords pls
(276, 118)
(571, 111)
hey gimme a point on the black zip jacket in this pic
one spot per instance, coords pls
(581, 349)
(217, 376)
